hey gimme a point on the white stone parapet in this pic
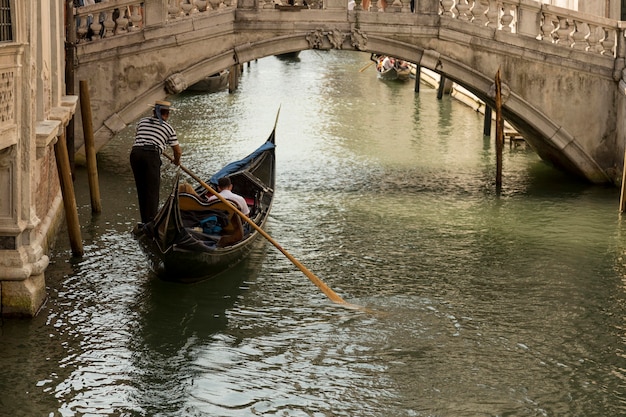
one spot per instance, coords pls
(546, 23)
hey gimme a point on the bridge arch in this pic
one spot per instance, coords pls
(151, 66)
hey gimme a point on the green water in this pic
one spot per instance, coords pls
(483, 305)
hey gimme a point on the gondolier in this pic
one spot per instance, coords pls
(152, 136)
(192, 239)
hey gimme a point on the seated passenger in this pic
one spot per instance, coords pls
(224, 186)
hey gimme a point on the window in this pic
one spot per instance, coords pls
(6, 28)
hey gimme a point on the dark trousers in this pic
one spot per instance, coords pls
(146, 165)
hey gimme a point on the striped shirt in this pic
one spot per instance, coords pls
(150, 132)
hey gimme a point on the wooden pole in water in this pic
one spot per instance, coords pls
(418, 73)
(69, 199)
(90, 147)
(442, 83)
(499, 133)
(233, 78)
(622, 198)
(487, 123)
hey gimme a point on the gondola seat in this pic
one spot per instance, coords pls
(232, 232)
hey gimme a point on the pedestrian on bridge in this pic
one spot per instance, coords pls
(152, 136)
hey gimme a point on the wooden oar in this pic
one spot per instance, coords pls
(320, 284)
(367, 66)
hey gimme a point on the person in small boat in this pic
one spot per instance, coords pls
(387, 63)
(153, 134)
(402, 64)
(225, 187)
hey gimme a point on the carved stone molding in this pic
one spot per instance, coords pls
(358, 39)
(316, 39)
(175, 83)
(334, 39)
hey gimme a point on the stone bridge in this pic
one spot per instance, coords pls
(561, 70)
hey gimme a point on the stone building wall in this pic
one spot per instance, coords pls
(34, 113)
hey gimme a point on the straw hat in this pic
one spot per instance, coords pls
(164, 105)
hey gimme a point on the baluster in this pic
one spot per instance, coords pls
(96, 27)
(82, 28)
(548, 27)
(578, 36)
(478, 12)
(446, 5)
(462, 7)
(374, 6)
(563, 32)
(109, 24)
(173, 9)
(492, 15)
(595, 35)
(608, 43)
(454, 11)
(396, 6)
(136, 19)
(201, 5)
(121, 23)
(187, 6)
(216, 4)
(507, 17)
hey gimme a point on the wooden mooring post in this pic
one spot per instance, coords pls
(499, 133)
(622, 197)
(418, 77)
(487, 122)
(441, 87)
(69, 198)
(90, 147)
(233, 78)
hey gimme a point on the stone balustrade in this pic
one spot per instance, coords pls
(579, 31)
(546, 23)
(108, 18)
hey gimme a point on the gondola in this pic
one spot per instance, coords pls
(194, 239)
(212, 83)
(390, 68)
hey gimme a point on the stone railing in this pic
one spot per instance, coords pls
(555, 25)
(550, 24)
(108, 18)
(579, 31)
(177, 9)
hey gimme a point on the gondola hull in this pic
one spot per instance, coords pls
(212, 83)
(179, 245)
(184, 265)
(391, 69)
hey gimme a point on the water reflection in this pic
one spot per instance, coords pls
(175, 324)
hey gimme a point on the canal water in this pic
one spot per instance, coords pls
(478, 304)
